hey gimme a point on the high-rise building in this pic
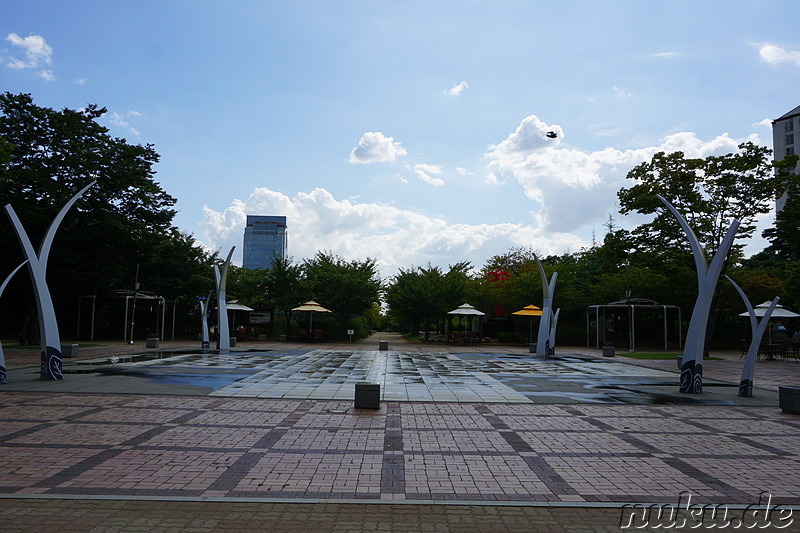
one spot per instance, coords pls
(786, 140)
(264, 239)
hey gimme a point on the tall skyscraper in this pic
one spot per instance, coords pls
(264, 239)
(786, 140)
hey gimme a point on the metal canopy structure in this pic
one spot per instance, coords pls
(631, 308)
(128, 299)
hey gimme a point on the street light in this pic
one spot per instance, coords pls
(133, 312)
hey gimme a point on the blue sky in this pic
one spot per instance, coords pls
(410, 132)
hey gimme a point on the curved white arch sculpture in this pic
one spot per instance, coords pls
(758, 329)
(2, 356)
(707, 276)
(224, 340)
(37, 265)
(204, 305)
(543, 341)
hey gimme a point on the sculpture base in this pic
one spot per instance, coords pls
(691, 377)
(746, 388)
(51, 364)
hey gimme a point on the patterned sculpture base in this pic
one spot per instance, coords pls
(691, 377)
(51, 364)
(746, 388)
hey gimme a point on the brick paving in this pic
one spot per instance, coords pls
(126, 461)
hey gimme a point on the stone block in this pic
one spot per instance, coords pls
(368, 395)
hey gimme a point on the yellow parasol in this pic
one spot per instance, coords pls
(531, 311)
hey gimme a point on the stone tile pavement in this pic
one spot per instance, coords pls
(130, 461)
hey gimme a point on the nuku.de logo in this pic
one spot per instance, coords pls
(688, 515)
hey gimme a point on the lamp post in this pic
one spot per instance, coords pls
(133, 311)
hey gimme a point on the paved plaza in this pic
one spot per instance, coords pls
(464, 440)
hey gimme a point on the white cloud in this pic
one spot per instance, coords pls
(428, 173)
(622, 93)
(80, 81)
(775, 55)
(574, 188)
(766, 123)
(616, 93)
(666, 55)
(457, 89)
(36, 51)
(464, 172)
(374, 147)
(120, 120)
(47, 75)
(396, 238)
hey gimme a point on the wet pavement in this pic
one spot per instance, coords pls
(331, 374)
(465, 439)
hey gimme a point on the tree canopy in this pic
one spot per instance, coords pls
(708, 192)
(123, 221)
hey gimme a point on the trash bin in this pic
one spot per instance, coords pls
(383, 345)
(233, 341)
(69, 350)
(368, 395)
(152, 342)
(608, 351)
(789, 399)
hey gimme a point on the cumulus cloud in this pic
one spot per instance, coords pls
(569, 193)
(47, 75)
(395, 237)
(457, 89)
(121, 120)
(375, 147)
(574, 188)
(775, 55)
(428, 173)
(35, 51)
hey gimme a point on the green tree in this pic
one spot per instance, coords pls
(710, 193)
(420, 297)
(282, 286)
(123, 221)
(348, 288)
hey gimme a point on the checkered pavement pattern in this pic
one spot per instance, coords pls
(228, 447)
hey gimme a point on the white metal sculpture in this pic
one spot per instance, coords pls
(552, 338)
(757, 328)
(204, 305)
(2, 356)
(224, 340)
(37, 265)
(707, 276)
(543, 342)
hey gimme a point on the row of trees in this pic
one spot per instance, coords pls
(652, 261)
(350, 289)
(125, 224)
(122, 230)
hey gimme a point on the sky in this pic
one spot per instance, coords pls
(411, 132)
